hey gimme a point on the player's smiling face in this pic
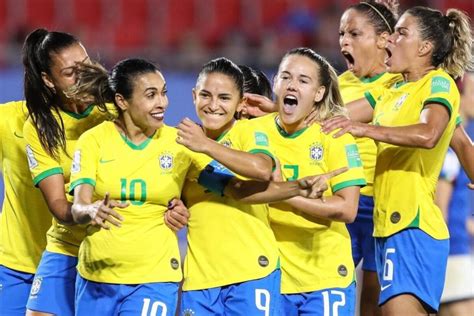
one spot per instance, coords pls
(148, 102)
(296, 88)
(358, 41)
(217, 98)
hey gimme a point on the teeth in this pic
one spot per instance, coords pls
(290, 97)
(157, 115)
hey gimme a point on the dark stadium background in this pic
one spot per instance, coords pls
(180, 35)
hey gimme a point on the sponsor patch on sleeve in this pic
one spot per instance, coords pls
(261, 139)
(353, 157)
(440, 84)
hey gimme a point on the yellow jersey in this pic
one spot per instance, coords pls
(61, 239)
(315, 253)
(25, 217)
(352, 89)
(148, 176)
(406, 177)
(228, 242)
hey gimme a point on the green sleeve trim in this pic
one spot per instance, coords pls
(350, 183)
(74, 184)
(371, 99)
(458, 121)
(265, 152)
(441, 101)
(43, 175)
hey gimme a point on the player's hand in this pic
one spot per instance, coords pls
(346, 126)
(177, 215)
(470, 186)
(191, 135)
(311, 117)
(313, 187)
(103, 212)
(258, 105)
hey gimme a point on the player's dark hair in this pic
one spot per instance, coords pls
(227, 67)
(42, 102)
(450, 35)
(382, 16)
(95, 82)
(331, 104)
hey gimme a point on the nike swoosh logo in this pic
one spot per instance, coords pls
(382, 288)
(105, 160)
(19, 136)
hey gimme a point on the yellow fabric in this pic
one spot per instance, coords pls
(406, 177)
(352, 89)
(60, 238)
(147, 176)
(228, 242)
(315, 253)
(25, 217)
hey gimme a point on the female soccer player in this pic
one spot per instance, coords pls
(25, 217)
(363, 33)
(314, 276)
(413, 123)
(121, 269)
(54, 126)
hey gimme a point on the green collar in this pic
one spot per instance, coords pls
(139, 146)
(82, 115)
(285, 133)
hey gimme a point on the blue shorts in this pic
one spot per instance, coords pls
(14, 290)
(148, 299)
(254, 297)
(412, 262)
(53, 287)
(333, 301)
(361, 230)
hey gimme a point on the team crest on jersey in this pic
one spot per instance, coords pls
(32, 162)
(76, 162)
(399, 102)
(36, 286)
(316, 152)
(166, 161)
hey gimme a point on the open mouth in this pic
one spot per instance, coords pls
(213, 113)
(388, 57)
(290, 100)
(349, 60)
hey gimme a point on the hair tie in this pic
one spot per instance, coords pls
(380, 14)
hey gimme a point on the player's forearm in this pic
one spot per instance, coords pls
(335, 208)
(418, 135)
(462, 145)
(61, 210)
(249, 165)
(258, 192)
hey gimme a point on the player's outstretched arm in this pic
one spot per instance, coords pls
(255, 166)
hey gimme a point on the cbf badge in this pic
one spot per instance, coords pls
(36, 286)
(316, 152)
(166, 161)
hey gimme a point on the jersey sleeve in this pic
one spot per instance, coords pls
(41, 164)
(343, 152)
(85, 161)
(441, 90)
(246, 137)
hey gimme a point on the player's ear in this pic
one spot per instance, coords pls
(121, 102)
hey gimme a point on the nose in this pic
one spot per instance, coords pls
(163, 101)
(343, 40)
(391, 38)
(291, 85)
(213, 104)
